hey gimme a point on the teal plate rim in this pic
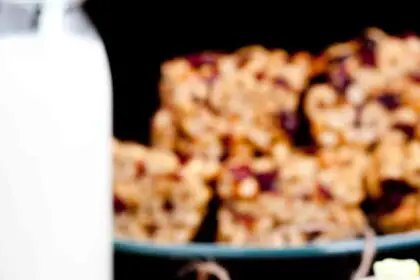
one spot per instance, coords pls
(208, 250)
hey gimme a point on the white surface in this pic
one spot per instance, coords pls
(55, 168)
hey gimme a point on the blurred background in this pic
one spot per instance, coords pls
(138, 41)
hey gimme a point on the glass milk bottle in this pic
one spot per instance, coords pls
(55, 133)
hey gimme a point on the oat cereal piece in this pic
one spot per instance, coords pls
(155, 197)
(276, 221)
(326, 175)
(393, 183)
(369, 87)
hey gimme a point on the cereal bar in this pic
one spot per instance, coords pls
(155, 198)
(299, 148)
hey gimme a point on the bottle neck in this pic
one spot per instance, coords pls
(55, 20)
(51, 18)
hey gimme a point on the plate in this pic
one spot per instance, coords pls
(208, 250)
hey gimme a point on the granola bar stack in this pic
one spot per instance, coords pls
(238, 125)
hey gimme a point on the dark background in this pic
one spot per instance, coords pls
(138, 41)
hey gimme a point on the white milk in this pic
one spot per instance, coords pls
(55, 162)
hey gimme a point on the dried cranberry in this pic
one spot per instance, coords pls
(140, 169)
(340, 79)
(197, 60)
(168, 205)
(415, 76)
(372, 146)
(281, 82)
(394, 192)
(246, 219)
(241, 172)
(407, 129)
(388, 204)
(183, 158)
(267, 180)
(324, 192)
(224, 156)
(390, 100)
(313, 235)
(259, 76)
(367, 52)
(119, 205)
(227, 144)
(289, 121)
(258, 153)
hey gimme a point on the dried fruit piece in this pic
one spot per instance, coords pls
(367, 52)
(324, 192)
(267, 180)
(394, 192)
(241, 172)
(390, 100)
(119, 205)
(407, 129)
(281, 82)
(289, 121)
(199, 59)
(340, 79)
